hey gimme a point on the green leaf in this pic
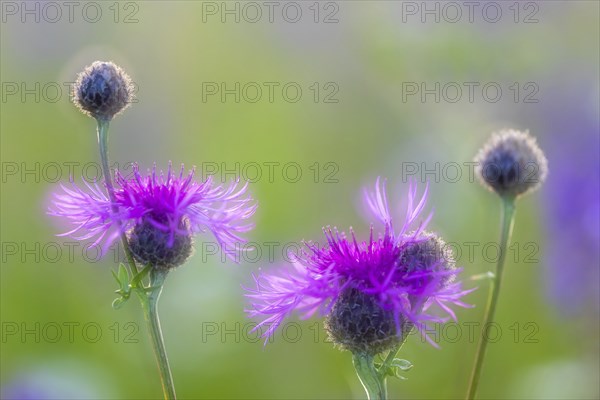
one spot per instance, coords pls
(140, 275)
(118, 302)
(484, 276)
(151, 289)
(401, 364)
(123, 275)
(124, 290)
(122, 278)
(116, 277)
(397, 375)
(394, 368)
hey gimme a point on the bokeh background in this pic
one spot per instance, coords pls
(62, 339)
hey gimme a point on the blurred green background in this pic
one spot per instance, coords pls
(365, 55)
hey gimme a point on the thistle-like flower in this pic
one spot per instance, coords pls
(102, 90)
(159, 213)
(372, 292)
(511, 163)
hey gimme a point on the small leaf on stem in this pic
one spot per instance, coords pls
(402, 364)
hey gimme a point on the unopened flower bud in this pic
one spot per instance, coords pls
(511, 163)
(103, 90)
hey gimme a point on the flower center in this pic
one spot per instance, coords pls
(357, 323)
(154, 246)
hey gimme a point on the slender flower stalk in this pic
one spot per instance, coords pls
(103, 125)
(372, 380)
(508, 214)
(511, 164)
(149, 300)
(149, 297)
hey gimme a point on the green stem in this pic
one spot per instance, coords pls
(371, 379)
(149, 299)
(394, 352)
(148, 296)
(389, 358)
(103, 144)
(508, 212)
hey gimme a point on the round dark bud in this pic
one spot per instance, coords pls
(150, 245)
(511, 163)
(103, 90)
(431, 254)
(357, 323)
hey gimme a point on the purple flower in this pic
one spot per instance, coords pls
(372, 292)
(159, 213)
(571, 200)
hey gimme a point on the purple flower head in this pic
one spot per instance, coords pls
(158, 212)
(372, 292)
